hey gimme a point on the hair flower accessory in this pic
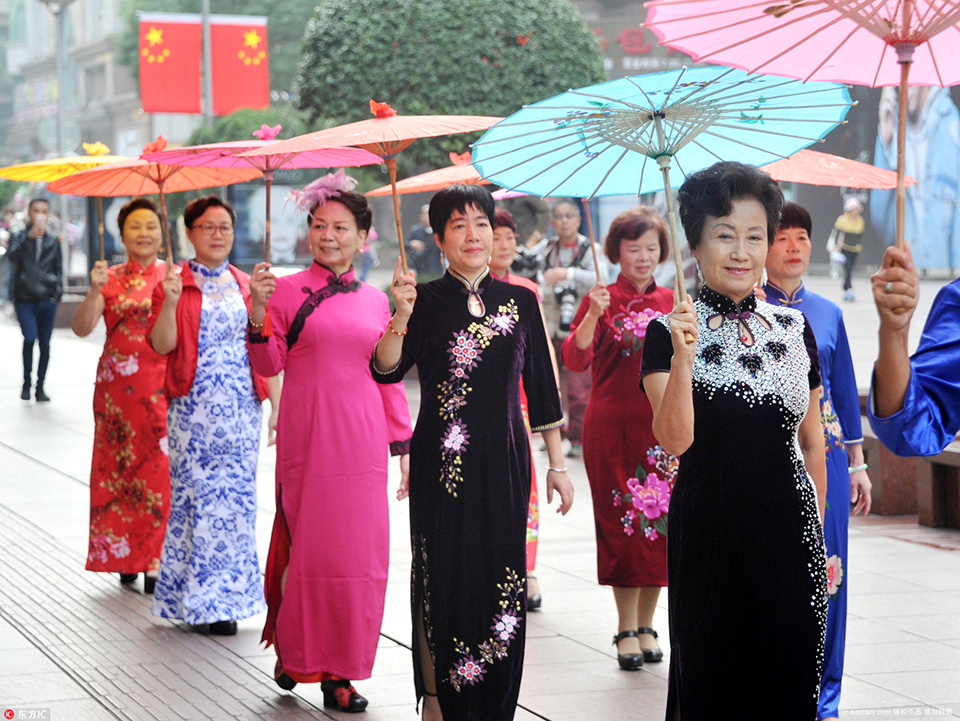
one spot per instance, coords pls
(325, 188)
(268, 133)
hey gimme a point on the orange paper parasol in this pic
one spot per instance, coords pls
(385, 135)
(141, 177)
(815, 168)
(460, 172)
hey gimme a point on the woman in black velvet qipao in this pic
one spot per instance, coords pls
(739, 405)
(472, 338)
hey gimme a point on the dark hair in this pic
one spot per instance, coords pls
(38, 199)
(139, 203)
(356, 204)
(794, 215)
(712, 191)
(565, 201)
(196, 208)
(504, 219)
(458, 197)
(630, 225)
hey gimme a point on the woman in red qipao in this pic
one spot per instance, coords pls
(130, 477)
(630, 475)
(327, 569)
(501, 258)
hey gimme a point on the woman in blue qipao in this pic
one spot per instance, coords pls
(209, 575)
(914, 403)
(847, 480)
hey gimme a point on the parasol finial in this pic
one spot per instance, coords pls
(156, 146)
(381, 110)
(461, 158)
(96, 148)
(267, 133)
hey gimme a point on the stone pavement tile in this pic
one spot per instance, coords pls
(939, 627)
(869, 631)
(917, 603)
(87, 709)
(394, 660)
(868, 582)
(947, 580)
(856, 693)
(585, 677)
(25, 660)
(909, 656)
(11, 638)
(639, 703)
(573, 623)
(914, 557)
(559, 649)
(929, 687)
(35, 689)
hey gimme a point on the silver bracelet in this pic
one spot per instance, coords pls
(556, 470)
(854, 469)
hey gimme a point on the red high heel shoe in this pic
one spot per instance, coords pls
(342, 696)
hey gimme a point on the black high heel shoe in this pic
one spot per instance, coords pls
(149, 584)
(650, 655)
(128, 578)
(342, 696)
(627, 661)
(283, 680)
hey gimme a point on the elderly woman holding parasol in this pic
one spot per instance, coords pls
(130, 476)
(738, 401)
(472, 338)
(327, 569)
(209, 575)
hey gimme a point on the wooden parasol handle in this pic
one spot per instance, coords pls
(392, 169)
(680, 293)
(593, 245)
(268, 177)
(100, 226)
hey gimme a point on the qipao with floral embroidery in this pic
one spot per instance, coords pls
(470, 484)
(130, 475)
(209, 570)
(745, 537)
(631, 478)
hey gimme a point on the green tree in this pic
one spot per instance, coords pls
(239, 125)
(474, 57)
(285, 22)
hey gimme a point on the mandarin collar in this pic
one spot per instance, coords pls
(209, 272)
(319, 269)
(723, 304)
(629, 285)
(482, 281)
(784, 298)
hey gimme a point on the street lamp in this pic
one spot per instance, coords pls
(58, 7)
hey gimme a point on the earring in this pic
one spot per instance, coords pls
(700, 274)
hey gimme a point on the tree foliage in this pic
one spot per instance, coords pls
(475, 57)
(240, 124)
(285, 22)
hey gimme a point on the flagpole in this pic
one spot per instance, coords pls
(207, 64)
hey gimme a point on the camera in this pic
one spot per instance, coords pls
(526, 263)
(566, 295)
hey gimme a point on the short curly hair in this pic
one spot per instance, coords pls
(712, 191)
(196, 208)
(630, 225)
(357, 204)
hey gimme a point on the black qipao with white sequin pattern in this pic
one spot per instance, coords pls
(745, 561)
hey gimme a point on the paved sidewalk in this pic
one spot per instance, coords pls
(84, 647)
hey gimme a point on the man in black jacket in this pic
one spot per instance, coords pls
(37, 267)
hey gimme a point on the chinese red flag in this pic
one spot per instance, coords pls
(170, 49)
(241, 72)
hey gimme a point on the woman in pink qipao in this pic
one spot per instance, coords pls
(327, 568)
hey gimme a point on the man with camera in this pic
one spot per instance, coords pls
(568, 274)
(37, 267)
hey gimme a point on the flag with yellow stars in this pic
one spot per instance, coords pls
(170, 57)
(241, 71)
